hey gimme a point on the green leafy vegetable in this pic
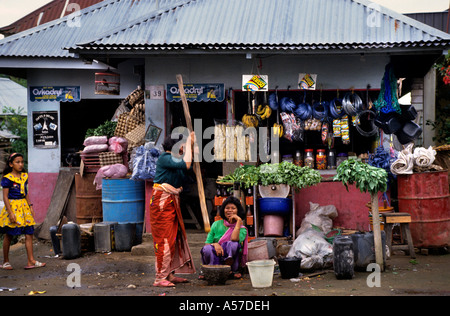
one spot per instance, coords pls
(268, 174)
(365, 177)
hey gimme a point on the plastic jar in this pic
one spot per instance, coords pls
(341, 158)
(331, 159)
(309, 158)
(321, 159)
(298, 159)
(288, 158)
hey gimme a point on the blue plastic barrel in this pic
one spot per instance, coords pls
(123, 201)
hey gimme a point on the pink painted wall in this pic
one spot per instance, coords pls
(351, 205)
(41, 187)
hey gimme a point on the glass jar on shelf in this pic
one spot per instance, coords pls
(298, 159)
(321, 159)
(288, 158)
(309, 158)
(341, 157)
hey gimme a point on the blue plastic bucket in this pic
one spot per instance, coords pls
(123, 201)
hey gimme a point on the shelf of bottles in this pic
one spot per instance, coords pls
(247, 198)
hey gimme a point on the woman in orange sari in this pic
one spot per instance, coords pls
(169, 235)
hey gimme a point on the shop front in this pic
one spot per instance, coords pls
(300, 91)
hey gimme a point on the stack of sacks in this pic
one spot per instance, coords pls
(95, 144)
(119, 145)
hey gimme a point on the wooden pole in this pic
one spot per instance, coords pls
(377, 231)
(196, 164)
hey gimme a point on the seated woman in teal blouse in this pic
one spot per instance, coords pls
(227, 241)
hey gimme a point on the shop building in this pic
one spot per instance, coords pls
(346, 43)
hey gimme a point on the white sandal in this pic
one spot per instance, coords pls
(7, 266)
(37, 264)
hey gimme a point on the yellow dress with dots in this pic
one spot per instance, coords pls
(19, 205)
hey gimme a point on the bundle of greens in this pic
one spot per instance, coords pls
(106, 129)
(365, 177)
(279, 173)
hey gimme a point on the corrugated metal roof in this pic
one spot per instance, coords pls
(259, 23)
(439, 20)
(12, 95)
(231, 24)
(49, 40)
(51, 11)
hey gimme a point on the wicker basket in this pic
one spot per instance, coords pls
(136, 137)
(125, 124)
(110, 158)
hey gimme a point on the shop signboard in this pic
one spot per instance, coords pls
(197, 92)
(255, 83)
(307, 81)
(45, 129)
(55, 93)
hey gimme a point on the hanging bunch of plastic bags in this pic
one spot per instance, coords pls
(143, 162)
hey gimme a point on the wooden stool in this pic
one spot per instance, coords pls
(403, 219)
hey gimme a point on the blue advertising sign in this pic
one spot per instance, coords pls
(55, 93)
(197, 92)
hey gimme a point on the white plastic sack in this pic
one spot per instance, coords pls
(320, 216)
(315, 251)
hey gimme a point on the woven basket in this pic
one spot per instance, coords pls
(136, 137)
(110, 158)
(125, 124)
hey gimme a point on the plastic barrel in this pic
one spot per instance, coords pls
(426, 197)
(124, 235)
(343, 257)
(364, 249)
(71, 241)
(124, 202)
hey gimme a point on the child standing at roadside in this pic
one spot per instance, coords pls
(17, 216)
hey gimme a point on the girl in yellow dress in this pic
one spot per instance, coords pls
(17, 216)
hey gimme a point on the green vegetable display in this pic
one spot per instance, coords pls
(106, 129)
(268, 174)
(365, 177)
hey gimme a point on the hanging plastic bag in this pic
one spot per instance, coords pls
(144, 162)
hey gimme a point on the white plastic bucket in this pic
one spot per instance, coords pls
(261, 273)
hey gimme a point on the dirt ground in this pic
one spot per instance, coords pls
(124, 274)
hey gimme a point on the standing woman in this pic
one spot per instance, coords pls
(169, 235)
(17, 216)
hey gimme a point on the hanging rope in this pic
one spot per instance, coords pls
(287, 105)
(273, 102)
(387, 100)
(370, 119)
(352, 104)
(335, 113)
(304, 111)
(320, 110)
